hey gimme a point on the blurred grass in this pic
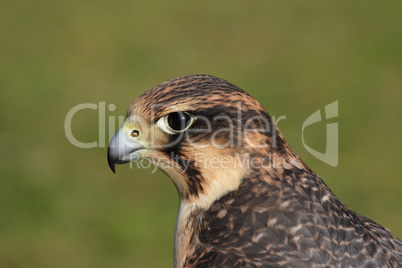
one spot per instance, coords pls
(60, 206)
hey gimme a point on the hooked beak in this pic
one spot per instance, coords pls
(123, 149)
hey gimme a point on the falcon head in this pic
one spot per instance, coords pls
(200, 130)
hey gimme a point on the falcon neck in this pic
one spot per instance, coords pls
(185, 237)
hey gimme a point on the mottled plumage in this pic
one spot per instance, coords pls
(272, 212)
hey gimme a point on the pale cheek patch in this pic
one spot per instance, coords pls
(221, 176)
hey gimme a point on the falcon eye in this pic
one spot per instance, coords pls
(176, 122)
(179, 121)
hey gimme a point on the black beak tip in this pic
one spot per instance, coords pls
(113, 169)
(112, 166)
(111, 162)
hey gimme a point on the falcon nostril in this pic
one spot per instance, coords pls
(135, 133)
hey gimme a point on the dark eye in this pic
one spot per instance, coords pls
(179, 121)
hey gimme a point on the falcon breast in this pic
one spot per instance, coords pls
(246, 198)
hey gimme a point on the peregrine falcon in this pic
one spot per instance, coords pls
(246, 197)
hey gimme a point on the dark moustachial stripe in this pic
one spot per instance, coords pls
(194, 177)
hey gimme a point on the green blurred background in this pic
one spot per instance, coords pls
(61, 206)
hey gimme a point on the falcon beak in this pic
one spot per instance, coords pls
(123, 149)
